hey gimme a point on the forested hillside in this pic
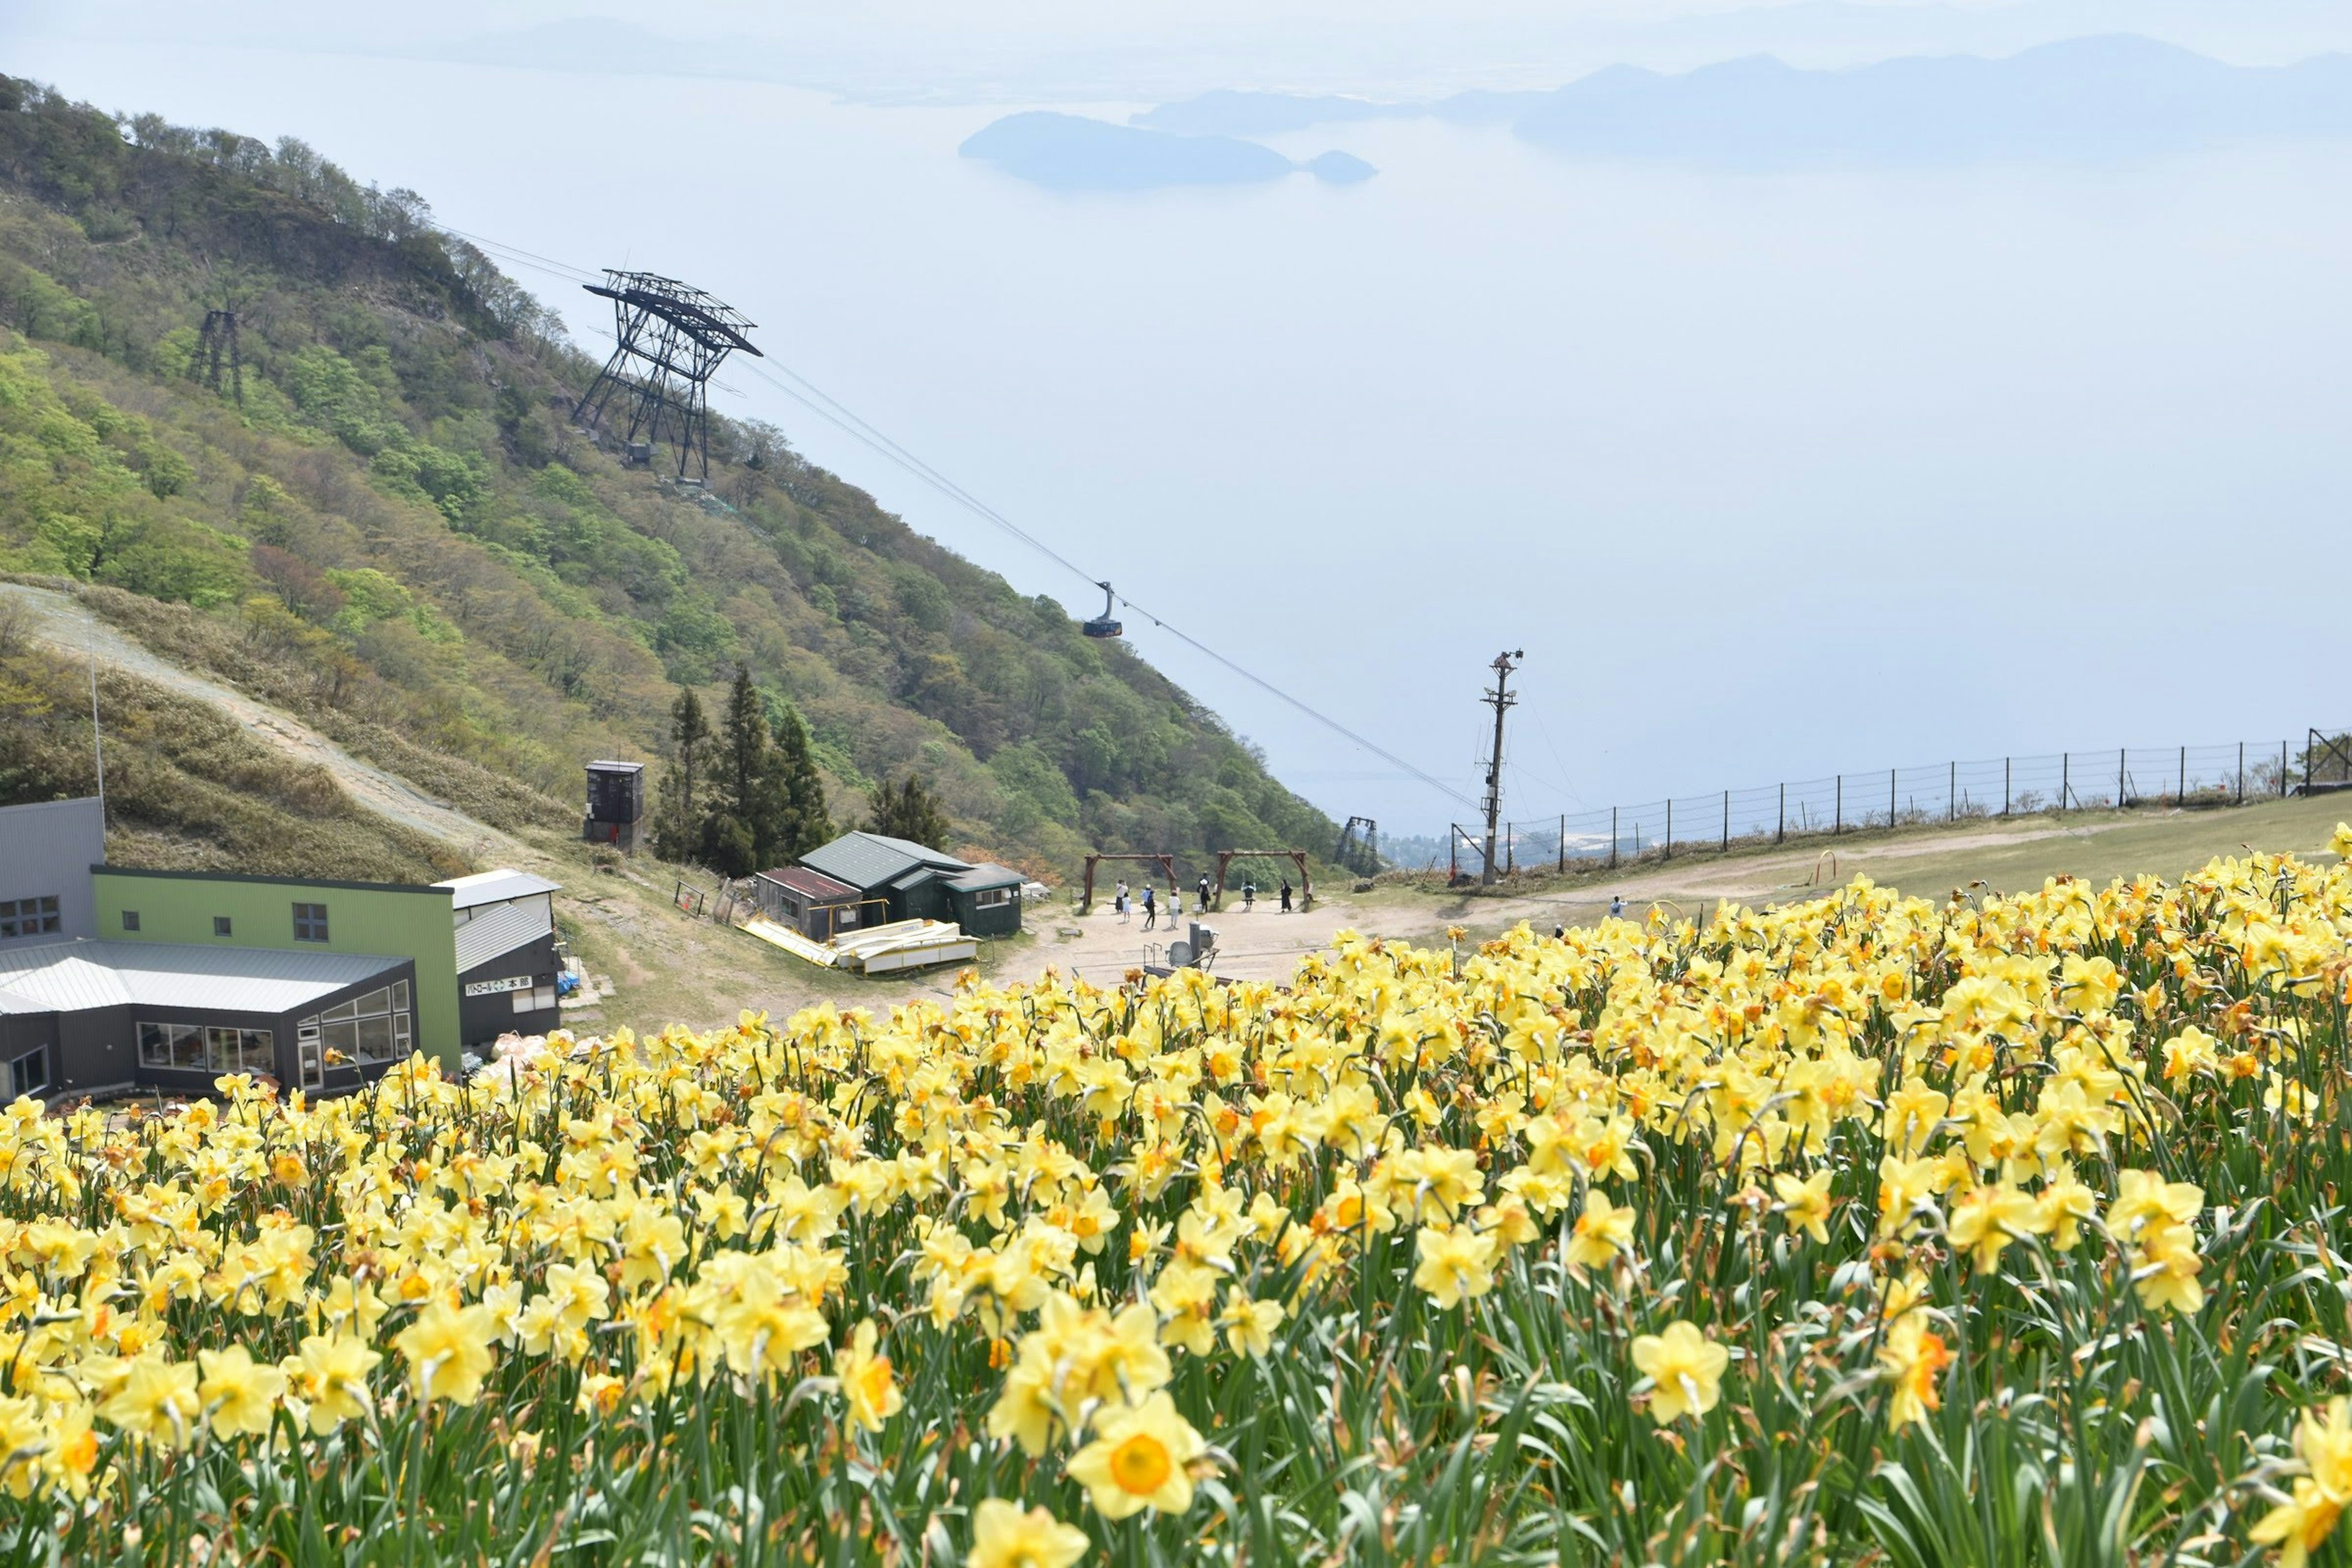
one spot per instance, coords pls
(399, 532)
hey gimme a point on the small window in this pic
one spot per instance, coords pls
(220, 925)
(29, 1074)
(130, 920)
(310, 922)
(991, 898)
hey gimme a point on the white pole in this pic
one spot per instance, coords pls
(97, 743)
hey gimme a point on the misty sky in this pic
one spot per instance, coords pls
(1772, 473)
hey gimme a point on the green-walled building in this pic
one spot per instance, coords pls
(387, 919)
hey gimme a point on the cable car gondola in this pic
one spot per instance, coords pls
(1102, 625)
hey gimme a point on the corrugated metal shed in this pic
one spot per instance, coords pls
(870, 860)
(74, 976)
(495, 887)
(500, 929)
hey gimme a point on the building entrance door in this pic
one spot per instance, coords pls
(312, 1057)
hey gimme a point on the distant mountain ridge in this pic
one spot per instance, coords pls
(2111, 95)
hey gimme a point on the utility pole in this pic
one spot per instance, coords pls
(1500, 700)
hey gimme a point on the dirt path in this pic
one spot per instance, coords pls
(76, 632)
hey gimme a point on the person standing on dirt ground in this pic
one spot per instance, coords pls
(1616, 906)
(1175, 906)
(1249, 896)
(1203, 890)
(1150, 910)
(1120, 902)
(1285, 895)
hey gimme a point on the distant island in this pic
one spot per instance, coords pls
(2093, 97)
(1073, 153)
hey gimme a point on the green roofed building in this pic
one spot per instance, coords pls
(920, 883)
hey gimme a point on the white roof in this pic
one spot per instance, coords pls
(494, 887)
(79, 973)
(495, 931)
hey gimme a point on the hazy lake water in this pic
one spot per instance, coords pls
(1772, 473)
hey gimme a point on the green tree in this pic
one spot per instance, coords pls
(739, 834)
(766, 803)
(806, 822)
(908, 810)
(678, 827)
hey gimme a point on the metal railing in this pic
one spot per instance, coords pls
(2231, 774)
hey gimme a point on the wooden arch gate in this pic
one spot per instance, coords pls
(1225, 857)
(1167, 864)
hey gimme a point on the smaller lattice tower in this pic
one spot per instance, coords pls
(668, 340)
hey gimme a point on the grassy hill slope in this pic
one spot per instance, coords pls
(398, 534)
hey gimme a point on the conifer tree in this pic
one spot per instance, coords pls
(804, 823)
(910, 811)
(678, 825)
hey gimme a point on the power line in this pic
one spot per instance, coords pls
(826, 406)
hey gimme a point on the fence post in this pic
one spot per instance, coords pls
(1952, 795)
(2242, 773)
(2180, 791)
(1727, 822)
(1890, 797)
(2004, 786)
(2307, 768)
(2282, 770)
(1563, 842)
(1837, 823)
(1612, 838)
(1670, 827)
(2123, 779)
(2065, 779)
(1780, 831)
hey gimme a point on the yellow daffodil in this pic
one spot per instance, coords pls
(1684, 1368)
(1141, 1457)
(1004, 1537)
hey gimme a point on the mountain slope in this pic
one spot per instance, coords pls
(399, 535)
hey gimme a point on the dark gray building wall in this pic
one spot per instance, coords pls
(94, 1050)
(482, 1019)
(46, 851)
(98, 1048)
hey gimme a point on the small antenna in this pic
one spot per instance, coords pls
(97, 737)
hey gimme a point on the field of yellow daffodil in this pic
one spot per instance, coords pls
(1871, 1229)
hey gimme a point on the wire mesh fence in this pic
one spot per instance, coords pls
(2230, 774)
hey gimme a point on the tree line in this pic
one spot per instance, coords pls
(746, 795)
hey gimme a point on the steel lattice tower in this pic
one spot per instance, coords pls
(668, 340)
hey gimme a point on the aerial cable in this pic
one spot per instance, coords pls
(826, 408)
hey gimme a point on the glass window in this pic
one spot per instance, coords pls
(130, 920)
(176, 1045)
(374, 1028)
(310, 922)
(220, 925)
(30, 917)
(29, 1074)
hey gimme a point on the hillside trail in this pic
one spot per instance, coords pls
(74, 631)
